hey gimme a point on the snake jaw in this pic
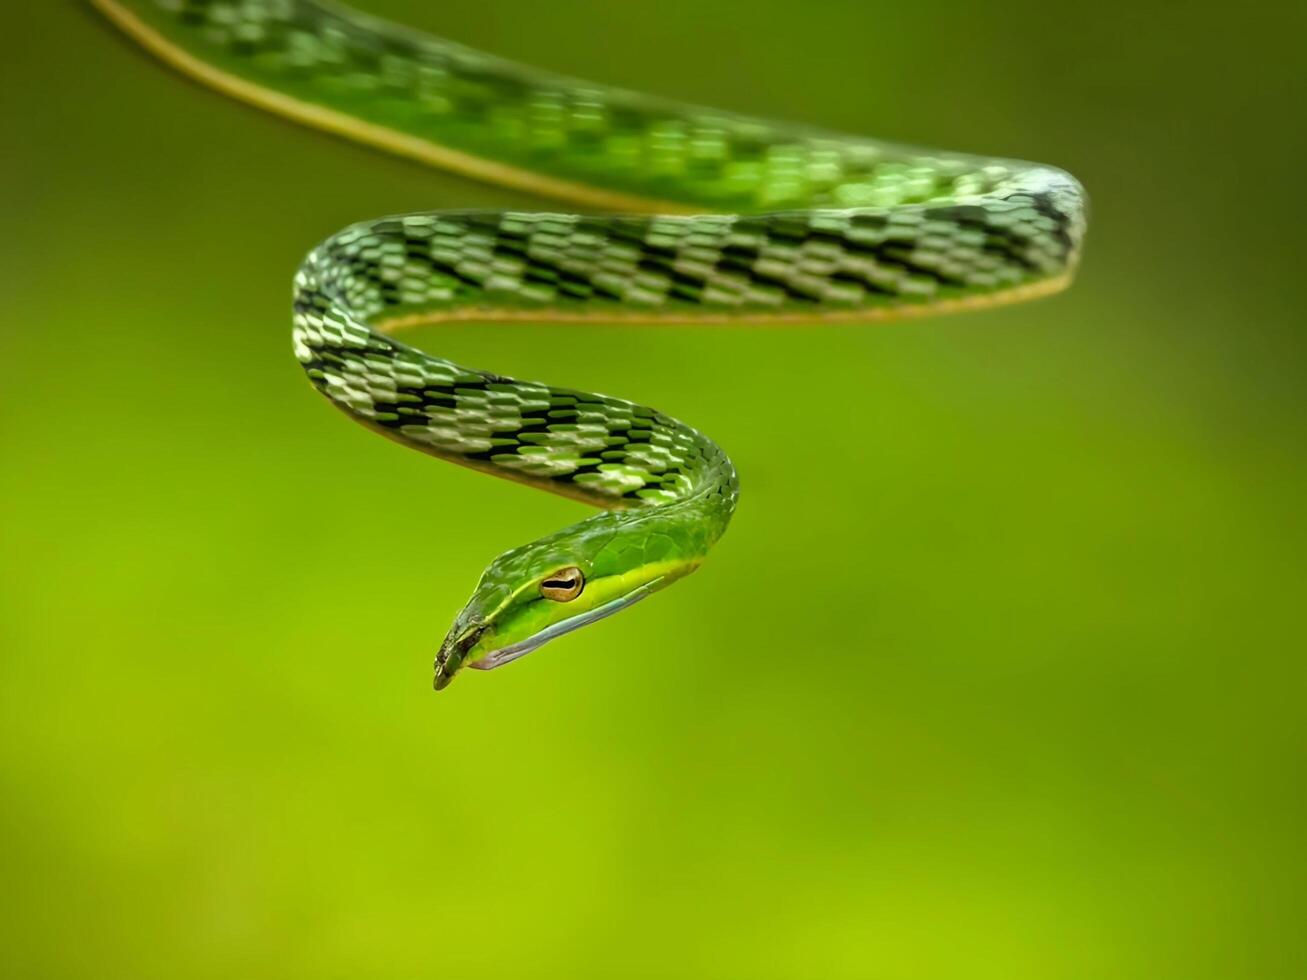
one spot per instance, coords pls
(515, 651)
(484, 641)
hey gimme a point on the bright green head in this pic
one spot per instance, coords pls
(530, 595)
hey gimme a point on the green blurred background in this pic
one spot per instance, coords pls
(999, 672)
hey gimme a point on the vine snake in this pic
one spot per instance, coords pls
(721, 218)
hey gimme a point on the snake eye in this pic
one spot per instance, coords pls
(563, 585)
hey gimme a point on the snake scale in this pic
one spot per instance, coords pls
(719, 218)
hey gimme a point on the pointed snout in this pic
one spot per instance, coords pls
(458, 643)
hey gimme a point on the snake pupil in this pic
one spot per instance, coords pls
(564, 585)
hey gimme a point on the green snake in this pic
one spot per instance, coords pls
(727, 219)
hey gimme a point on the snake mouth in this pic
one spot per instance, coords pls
(461, 640)
(515, 651)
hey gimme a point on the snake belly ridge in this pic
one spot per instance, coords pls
(729, 219)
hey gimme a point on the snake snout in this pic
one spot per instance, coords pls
(458, 643)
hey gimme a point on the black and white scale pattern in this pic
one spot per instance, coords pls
(812, 225)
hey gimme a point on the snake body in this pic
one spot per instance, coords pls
(731, 219)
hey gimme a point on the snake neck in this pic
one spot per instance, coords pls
(605, 451)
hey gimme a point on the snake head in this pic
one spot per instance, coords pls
(531, 595)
